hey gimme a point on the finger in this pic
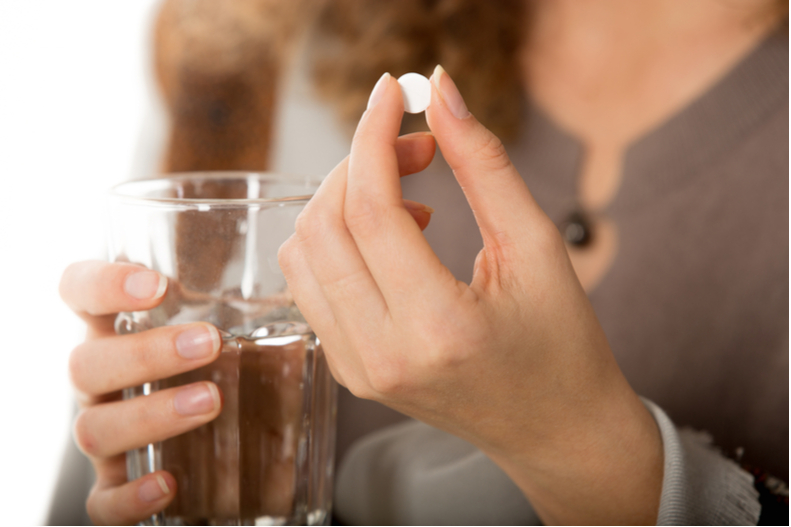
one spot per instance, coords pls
(84, 400)
(110, 471)
(421, 213)
(105, 365)
(390, 242)
(499, 197)
(326, 274)
(332, 255)
(414, 152)
(95, 288)
(305, 289)
(131, 502)
(311, 301)
(326, 240)
(109, 429)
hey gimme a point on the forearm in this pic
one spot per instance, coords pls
(415, 474)
(605, 469)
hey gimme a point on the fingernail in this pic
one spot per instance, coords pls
(197, 399)
(153, 489)
(198, 342)
(145, 285)
(449, 92)
(378, 91)
(414, 205)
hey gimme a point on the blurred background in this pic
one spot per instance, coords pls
(73, 99)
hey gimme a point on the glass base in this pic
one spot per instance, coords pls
(317, 517)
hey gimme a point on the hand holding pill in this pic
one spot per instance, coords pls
(514, 362)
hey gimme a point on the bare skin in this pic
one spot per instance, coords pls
(600, 75)
(611, 70)
(516, 362)
(106, 363)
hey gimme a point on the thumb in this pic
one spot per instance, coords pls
(500, 200)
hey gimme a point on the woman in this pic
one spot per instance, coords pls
(642, 121)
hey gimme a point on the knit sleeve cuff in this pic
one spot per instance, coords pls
(701, 486)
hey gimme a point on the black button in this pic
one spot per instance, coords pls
(576, 230)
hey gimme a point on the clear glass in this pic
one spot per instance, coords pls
(268, 458)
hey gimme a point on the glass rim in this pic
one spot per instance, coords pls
(122, 191)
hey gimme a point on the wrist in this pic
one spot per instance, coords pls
(602, 463)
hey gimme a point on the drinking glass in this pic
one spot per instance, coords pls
(268, 458)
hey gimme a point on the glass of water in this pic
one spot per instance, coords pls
(268, 458)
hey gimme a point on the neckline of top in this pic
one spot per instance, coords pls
(671, 152)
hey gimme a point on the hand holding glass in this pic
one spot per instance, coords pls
(268, 457)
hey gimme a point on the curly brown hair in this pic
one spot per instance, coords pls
(218, 64)
(476, 41)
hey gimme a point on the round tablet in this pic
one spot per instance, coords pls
(416, 90)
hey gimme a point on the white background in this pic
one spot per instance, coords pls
(73, 95)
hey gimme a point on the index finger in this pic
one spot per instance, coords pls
(94, 288)
(392, 245)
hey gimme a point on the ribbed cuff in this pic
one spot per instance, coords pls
(701, 486)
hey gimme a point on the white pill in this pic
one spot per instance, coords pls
(416, 90)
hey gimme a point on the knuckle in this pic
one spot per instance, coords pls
(441, 358)
(92, 507)
(542, 237)
(491, 152)
(104, 511)
(312, 224)
(362, 214)
(384, 383)
(65, 280)
(77, 368)
(152, 352)
(149, 414)
(286, 255)
(384, 377)
(83, 437)
(450, 338)
(360, 390)
(503, 243)
(301, 226)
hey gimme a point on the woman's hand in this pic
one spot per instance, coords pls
(106, 363)
(516, 362)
